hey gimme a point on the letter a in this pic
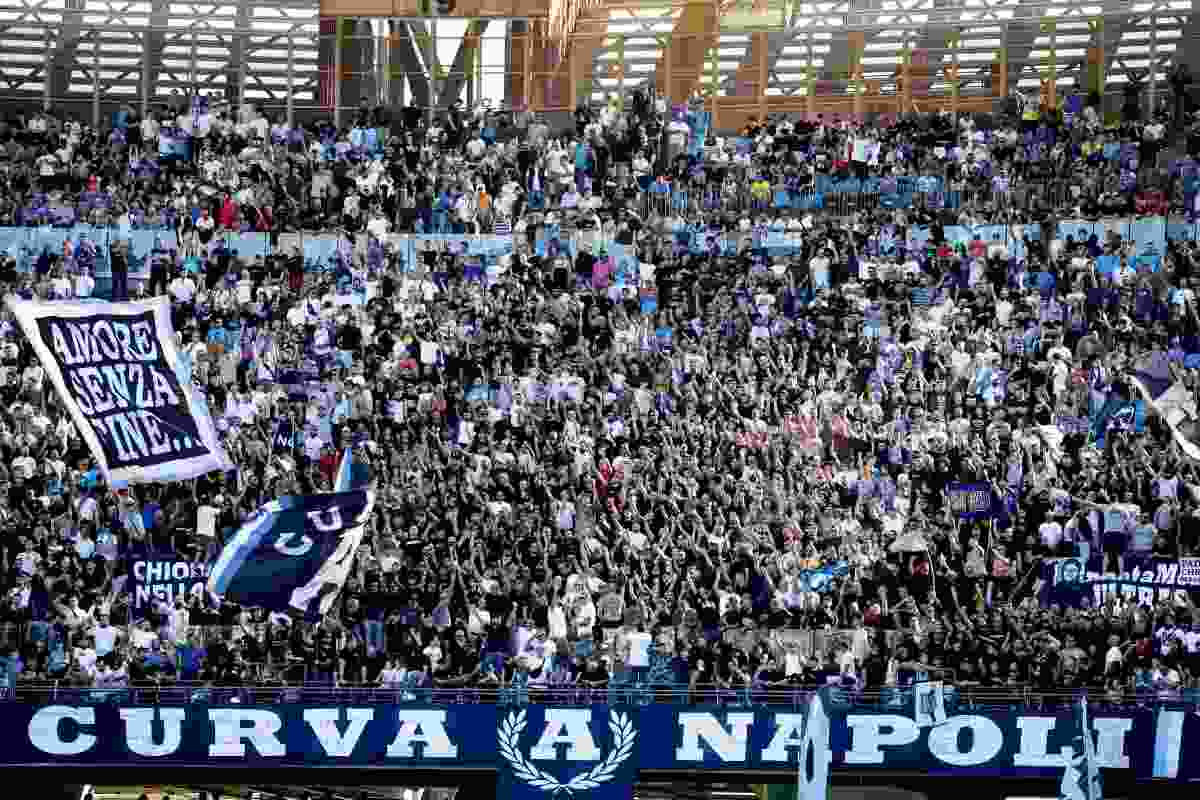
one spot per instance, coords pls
(567, 726)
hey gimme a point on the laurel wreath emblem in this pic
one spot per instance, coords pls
(509, 735)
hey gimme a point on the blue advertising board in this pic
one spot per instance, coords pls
(557, 744)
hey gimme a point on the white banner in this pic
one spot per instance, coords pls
(117, 369)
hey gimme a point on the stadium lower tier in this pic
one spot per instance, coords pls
(604, 752)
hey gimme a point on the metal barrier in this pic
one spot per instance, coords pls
(955, 700)
(957, 196)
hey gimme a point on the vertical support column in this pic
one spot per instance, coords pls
(383, 65)
(668, 78)
(572, 73)
(1054, 66)
(471, 41)
(48, 68)
(1003, 82)
(715, 89)
(1153, 66)
(527, 93)
(510, 49)
(955, 81)
(144, 89)
(431, 63)
(621, 70)
(904, 96)
(193, 75)
(337, 71)
(241, 72)
(1096, 59)
(96, 79)
(714, 86)
(810, 91)
(291, 80)
(1049, 81)
(857, 40)
(763, 77)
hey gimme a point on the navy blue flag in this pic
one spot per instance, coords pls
(1154, 380)
(970, 500)
(295, 553)
(284, 437)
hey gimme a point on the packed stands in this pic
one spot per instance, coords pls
(647, 409)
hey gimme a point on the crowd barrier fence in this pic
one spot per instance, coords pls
(1149, 236)
(955, 700)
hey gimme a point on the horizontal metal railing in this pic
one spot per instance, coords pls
(957, 699)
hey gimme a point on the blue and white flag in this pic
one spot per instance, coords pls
(284, 437)
(352, 474)
(929, 703)
(295, 553)
(1151, 375)
(816, 753)
(1081, 775)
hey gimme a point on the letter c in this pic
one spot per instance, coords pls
(44, 730)
(281, 544)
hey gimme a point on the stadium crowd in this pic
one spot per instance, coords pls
(744, 483)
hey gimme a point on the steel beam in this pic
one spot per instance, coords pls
(155, 40)
(65, 47)
(1186, 51)
(404, 61)
(1020, 39)
(238, 51)
(695, 32)
(469, 50)
(768, 44)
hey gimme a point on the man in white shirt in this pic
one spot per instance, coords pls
(464, 207)
(24, 465)
(84, 285)
(183, 289)
(378, 226)
(150, 129)
(476, 148)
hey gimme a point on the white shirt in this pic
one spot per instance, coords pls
(84, 285)
(149, 129)
(1051, 534)
(639, 650)
(378, 227)
(25, 466)
(183, 289)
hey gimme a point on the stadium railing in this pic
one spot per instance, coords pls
(952, 700)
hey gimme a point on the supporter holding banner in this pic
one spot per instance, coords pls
(1080, 583)
(1155, 379)
(166, 579)
(118, 372)
(1081, 774)
(294, 554)
(970, 500)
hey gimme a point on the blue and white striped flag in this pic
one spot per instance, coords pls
(1081, 775)
(345, 474)
(295, 553)
(1156, 382)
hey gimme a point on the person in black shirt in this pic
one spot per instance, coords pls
(594, 675)
(119, 258)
